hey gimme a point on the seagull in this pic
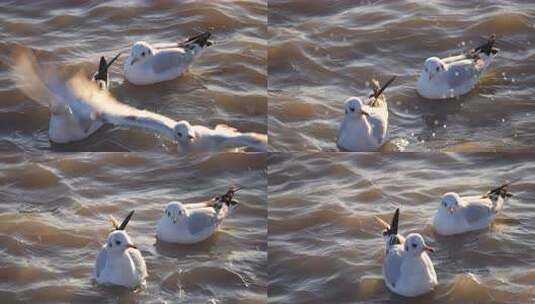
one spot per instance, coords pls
(101, 76)
(80, 107)
(407, 269)
(458, 214)
(457, 75)
(200, 138)
(193, 223)
(364, 126)
(149, 64)
(119, 261)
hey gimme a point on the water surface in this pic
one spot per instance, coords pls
(322, 52)
(227, 84)
(54, 213)
(326, 247)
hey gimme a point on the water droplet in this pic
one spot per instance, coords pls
(503, 119)
(436, 122)
(456, 73)
(367, 83)
(433, 134)
(463, 43)
(444, 126)
(503, 74)
(412, 134)
(513, 80)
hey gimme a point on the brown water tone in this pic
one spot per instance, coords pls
(325, 245)
(322, 52)
(226, 85)
(54, 213)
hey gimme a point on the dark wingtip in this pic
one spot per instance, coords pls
(487, 48)
(201, 40)
(382, 89)
(228, 197)
(393, 230)
(502, 190)
(126, 220)
(112, 61)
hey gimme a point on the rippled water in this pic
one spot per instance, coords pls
(227, 84)
(54, 218)
(325, 246)
(321, 52)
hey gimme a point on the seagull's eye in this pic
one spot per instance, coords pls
(118, 242)
(179, 134)
(346, 111)
(438, 69)
(414, 245)
(426, 70)
(445, 205)
(352, 110)
(168, 213)
(109, 244)
(142, 53)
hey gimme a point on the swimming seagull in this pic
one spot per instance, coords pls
(458, 214)
(79, 108)
(193, 223)
(119, 262)
(101, 76)
(149, 64)
(198, 138)
(407, 269)
(364, 126)
(457, 75)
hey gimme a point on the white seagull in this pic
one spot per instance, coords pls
(407, 269)
(457, 75)
(198, 138)
(79, 108)
(149, 64)
(101, 76)
(458, 214)
(193, 223)
(364, 126)
(119, 261)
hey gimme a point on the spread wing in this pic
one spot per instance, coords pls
(139, 262)
(101, 261)
(168, 60)
(201, 220)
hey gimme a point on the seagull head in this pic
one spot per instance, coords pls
(175, 211)
(355, 108)
(433, 66)
(183, 132)
(450, 202)
(140, 52)
(119, 241)
(415, 244)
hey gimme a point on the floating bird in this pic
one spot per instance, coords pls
(200, 138)
(119, 261)
(79, 108)
(149, 64)
(458, 214)
(364, 126)
(407, 269)
(101, 76)
(193, 223)
(457, 75)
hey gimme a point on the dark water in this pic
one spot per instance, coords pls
(322, 52)
(227, 84)
(326, 247)
(54, 218)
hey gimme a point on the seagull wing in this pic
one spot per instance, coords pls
(101, 261)
(201, 220)
(460, 73)
(139, 263)
(476, 209)
(392, 265)
(112, 111)
(169, 60)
